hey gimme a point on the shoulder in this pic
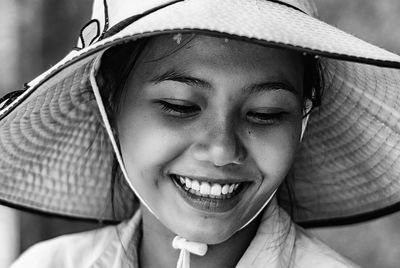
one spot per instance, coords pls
(311, 252)
(76, 250)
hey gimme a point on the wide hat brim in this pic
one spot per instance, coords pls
(56, 156)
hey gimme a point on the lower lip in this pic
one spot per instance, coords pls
(210, 204)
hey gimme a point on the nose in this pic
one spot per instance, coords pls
(220, 145)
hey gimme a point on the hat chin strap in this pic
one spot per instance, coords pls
(200, 249)
(107, 126)
(186, 248)
(178, 242)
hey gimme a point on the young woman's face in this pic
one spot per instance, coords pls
(208, 130)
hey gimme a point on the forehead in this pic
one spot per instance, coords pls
(170, 47)
(221, 57)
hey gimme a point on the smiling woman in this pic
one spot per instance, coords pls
(204, 130)
(215, 115)
(208, 128)
(216, 131)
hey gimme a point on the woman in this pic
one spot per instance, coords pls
(205, 110)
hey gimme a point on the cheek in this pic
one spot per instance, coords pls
(274, 151)
(147, 145)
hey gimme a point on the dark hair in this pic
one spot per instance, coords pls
(313, 81)
(116, 66)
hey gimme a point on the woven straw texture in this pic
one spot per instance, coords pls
(44, 159)
(56, 156)
(259, 20)
(349, 162)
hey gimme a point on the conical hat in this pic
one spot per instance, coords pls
(56, 156)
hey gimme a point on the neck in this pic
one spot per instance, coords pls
(156, 246)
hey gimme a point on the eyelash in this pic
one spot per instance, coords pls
(179, 110)
(265, 118)
(191, 110)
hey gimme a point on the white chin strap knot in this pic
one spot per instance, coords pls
(186, 248)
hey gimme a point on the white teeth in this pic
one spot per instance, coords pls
(205, 188)
(231, 188)
(195, 185)
(216, 189)
(225, 189)
(188, 183)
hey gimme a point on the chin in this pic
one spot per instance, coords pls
(210, 233)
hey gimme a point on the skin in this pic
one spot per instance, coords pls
(236, 113)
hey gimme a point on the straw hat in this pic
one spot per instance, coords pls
(56, 156)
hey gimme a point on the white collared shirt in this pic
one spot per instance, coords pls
(107, 247)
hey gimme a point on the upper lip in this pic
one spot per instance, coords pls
(212, 179)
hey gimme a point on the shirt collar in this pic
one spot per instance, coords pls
(272, 245)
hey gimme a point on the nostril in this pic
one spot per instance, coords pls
(221, 155)
(220, 149)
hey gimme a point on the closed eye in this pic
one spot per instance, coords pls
(265, 118)
(179, 108)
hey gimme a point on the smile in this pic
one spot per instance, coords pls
(208, 194)
(207, 189)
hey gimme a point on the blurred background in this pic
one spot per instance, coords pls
(35, 34)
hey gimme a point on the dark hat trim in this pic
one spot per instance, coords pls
(351, 219)
(289, 5)
(326, 223)
(128, 21)
(53, 214)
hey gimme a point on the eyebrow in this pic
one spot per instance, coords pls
(173, 75)
(271, 86)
